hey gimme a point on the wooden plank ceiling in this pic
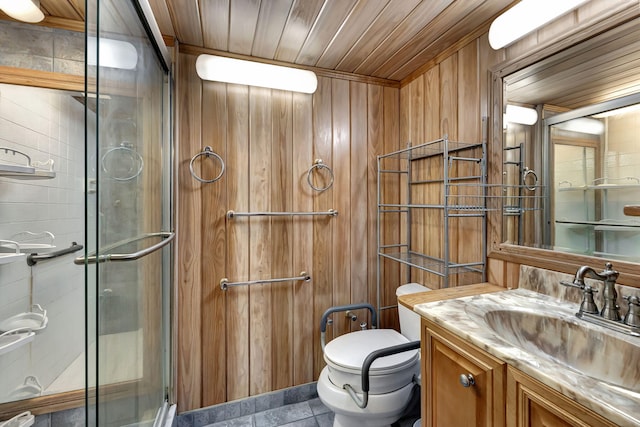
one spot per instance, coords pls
(381, 38)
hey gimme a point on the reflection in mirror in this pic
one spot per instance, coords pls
(573, 166)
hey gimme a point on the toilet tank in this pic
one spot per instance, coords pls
(409, 320)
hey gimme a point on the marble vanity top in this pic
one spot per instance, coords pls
(592, 371)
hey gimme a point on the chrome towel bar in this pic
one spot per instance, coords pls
(330, 212)
(224, 283)
(94, 258)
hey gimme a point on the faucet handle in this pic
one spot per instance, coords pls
(588, 304)
(633, 314)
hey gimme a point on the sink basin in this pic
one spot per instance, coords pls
(590, 350)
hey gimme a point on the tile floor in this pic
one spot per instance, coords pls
(294, 407)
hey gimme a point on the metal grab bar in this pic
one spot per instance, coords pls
(93, 258)
(224, 283)
(32, 259)
(330, 212)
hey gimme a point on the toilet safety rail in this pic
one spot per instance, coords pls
(339, 308)
(225, 284)
(366, 366)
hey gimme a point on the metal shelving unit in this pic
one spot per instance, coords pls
(463, 196)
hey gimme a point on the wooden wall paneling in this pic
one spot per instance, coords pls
(512, 274)
(449, 125)
(341, 245)
(375, 147)
(392, 143)
(496, 271)
(304, 321)
(260, 256)
(282, 244)
(214, 245)
(238, 196)
(360, 236)
(418, 172)
(188, 242)
(469, 232)
(322, 226)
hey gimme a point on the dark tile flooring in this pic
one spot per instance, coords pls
(294, 407)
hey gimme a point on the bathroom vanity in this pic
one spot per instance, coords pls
(521, 357)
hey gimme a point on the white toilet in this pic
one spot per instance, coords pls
(391, 377)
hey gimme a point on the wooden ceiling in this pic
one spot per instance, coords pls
(381, 38)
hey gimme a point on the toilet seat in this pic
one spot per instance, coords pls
(345, 356)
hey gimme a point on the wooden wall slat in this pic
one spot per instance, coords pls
(214, 244)
(260, 255)
(359, 213)
(282, 244)
(305, 323)
(188, 244)
(341, 163)
(237, 242)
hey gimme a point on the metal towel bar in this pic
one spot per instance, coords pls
(32, 259)
(330, 212)
(93, 258)
(224, 283)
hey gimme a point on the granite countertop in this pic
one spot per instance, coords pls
(525, 325)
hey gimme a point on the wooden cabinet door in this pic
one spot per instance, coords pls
(446, 402)
(532, 404)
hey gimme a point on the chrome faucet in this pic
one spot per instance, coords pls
(609, 316)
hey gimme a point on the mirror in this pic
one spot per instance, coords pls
(571, 167)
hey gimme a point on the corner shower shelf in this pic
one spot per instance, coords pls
(26, 241)
(35, 320)
(14, 339)
(29, 170)
(6, 258)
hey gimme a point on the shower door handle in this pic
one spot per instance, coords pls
(167, 236)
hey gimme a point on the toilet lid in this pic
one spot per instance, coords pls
(347, 352)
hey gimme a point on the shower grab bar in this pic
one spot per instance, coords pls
(32, 259)
(93, 258)
(224, 283)
(330, 212)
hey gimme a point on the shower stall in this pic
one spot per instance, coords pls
(86, 190)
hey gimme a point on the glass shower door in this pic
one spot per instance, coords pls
(128, 216)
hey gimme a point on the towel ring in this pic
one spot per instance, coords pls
(128, 157)
(525, 174)
(319, 164)
(207, 152)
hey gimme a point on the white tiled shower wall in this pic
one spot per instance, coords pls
(45, 124)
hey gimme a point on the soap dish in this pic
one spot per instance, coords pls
(24, 419)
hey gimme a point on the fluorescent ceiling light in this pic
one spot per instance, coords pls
(113, 53)
(23, 10)
(582, 125)
(623, 110)
(229, 70)
(520, 115)
(525, 17)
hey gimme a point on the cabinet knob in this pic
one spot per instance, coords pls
(467, 380)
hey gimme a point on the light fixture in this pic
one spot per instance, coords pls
(582, 125)
(520, 115)
(113, 53)
(623, 110)
(230, 70)
(525, 17)
(23, 10)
